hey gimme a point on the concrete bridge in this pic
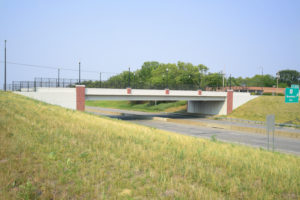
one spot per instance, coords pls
(202, 102)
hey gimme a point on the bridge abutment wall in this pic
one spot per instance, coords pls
(65, 97)
(233, 101)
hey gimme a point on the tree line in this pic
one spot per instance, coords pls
(183, 75)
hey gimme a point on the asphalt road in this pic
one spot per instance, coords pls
(282, 144)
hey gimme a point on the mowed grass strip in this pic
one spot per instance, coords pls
(177, 106)
(258, 108)
(48, 152)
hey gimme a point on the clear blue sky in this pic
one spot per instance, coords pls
(110, 36)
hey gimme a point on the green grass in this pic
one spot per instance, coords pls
(48, 152)
(146, 106)
(258, 108)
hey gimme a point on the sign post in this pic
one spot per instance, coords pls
(270, 126)
(292, 94)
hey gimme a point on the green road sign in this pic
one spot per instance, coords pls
(295, 86)
(291, 95)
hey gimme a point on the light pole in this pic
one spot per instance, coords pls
(223, 74)
(167, 79)
(278, 77)
(202, 80)
(262, 79)
(199, 79)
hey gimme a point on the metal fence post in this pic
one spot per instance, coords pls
(34, 85)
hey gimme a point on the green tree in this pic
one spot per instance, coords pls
(289, 77)
(214, 80)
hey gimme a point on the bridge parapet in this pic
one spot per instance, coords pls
(148, 92)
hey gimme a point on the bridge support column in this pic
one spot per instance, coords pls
(80, 97)
(229, 101)
(128, 90)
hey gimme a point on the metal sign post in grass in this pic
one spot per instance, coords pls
(270, 126)
(292, 95)
(5, 66)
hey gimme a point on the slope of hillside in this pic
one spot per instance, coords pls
(48, 152)
(258, 108)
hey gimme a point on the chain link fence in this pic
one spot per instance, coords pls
(31, 86)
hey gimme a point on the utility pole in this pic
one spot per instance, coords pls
(58, 76)
(79, 74)
(5, 66)
(129, 77)
(203, 79)
(100, 79)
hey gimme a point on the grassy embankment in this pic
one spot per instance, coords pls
(48, 152)
(146, 106)
(258, 108)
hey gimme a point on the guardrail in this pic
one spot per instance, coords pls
(256, 122)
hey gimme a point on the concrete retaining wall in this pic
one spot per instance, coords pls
(65, 97)
(240, 98)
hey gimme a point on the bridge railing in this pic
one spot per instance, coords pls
(119, 84)
(30, 86)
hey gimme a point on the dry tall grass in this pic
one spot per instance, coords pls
(48, 152)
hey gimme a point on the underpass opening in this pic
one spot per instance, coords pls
(207, 107)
